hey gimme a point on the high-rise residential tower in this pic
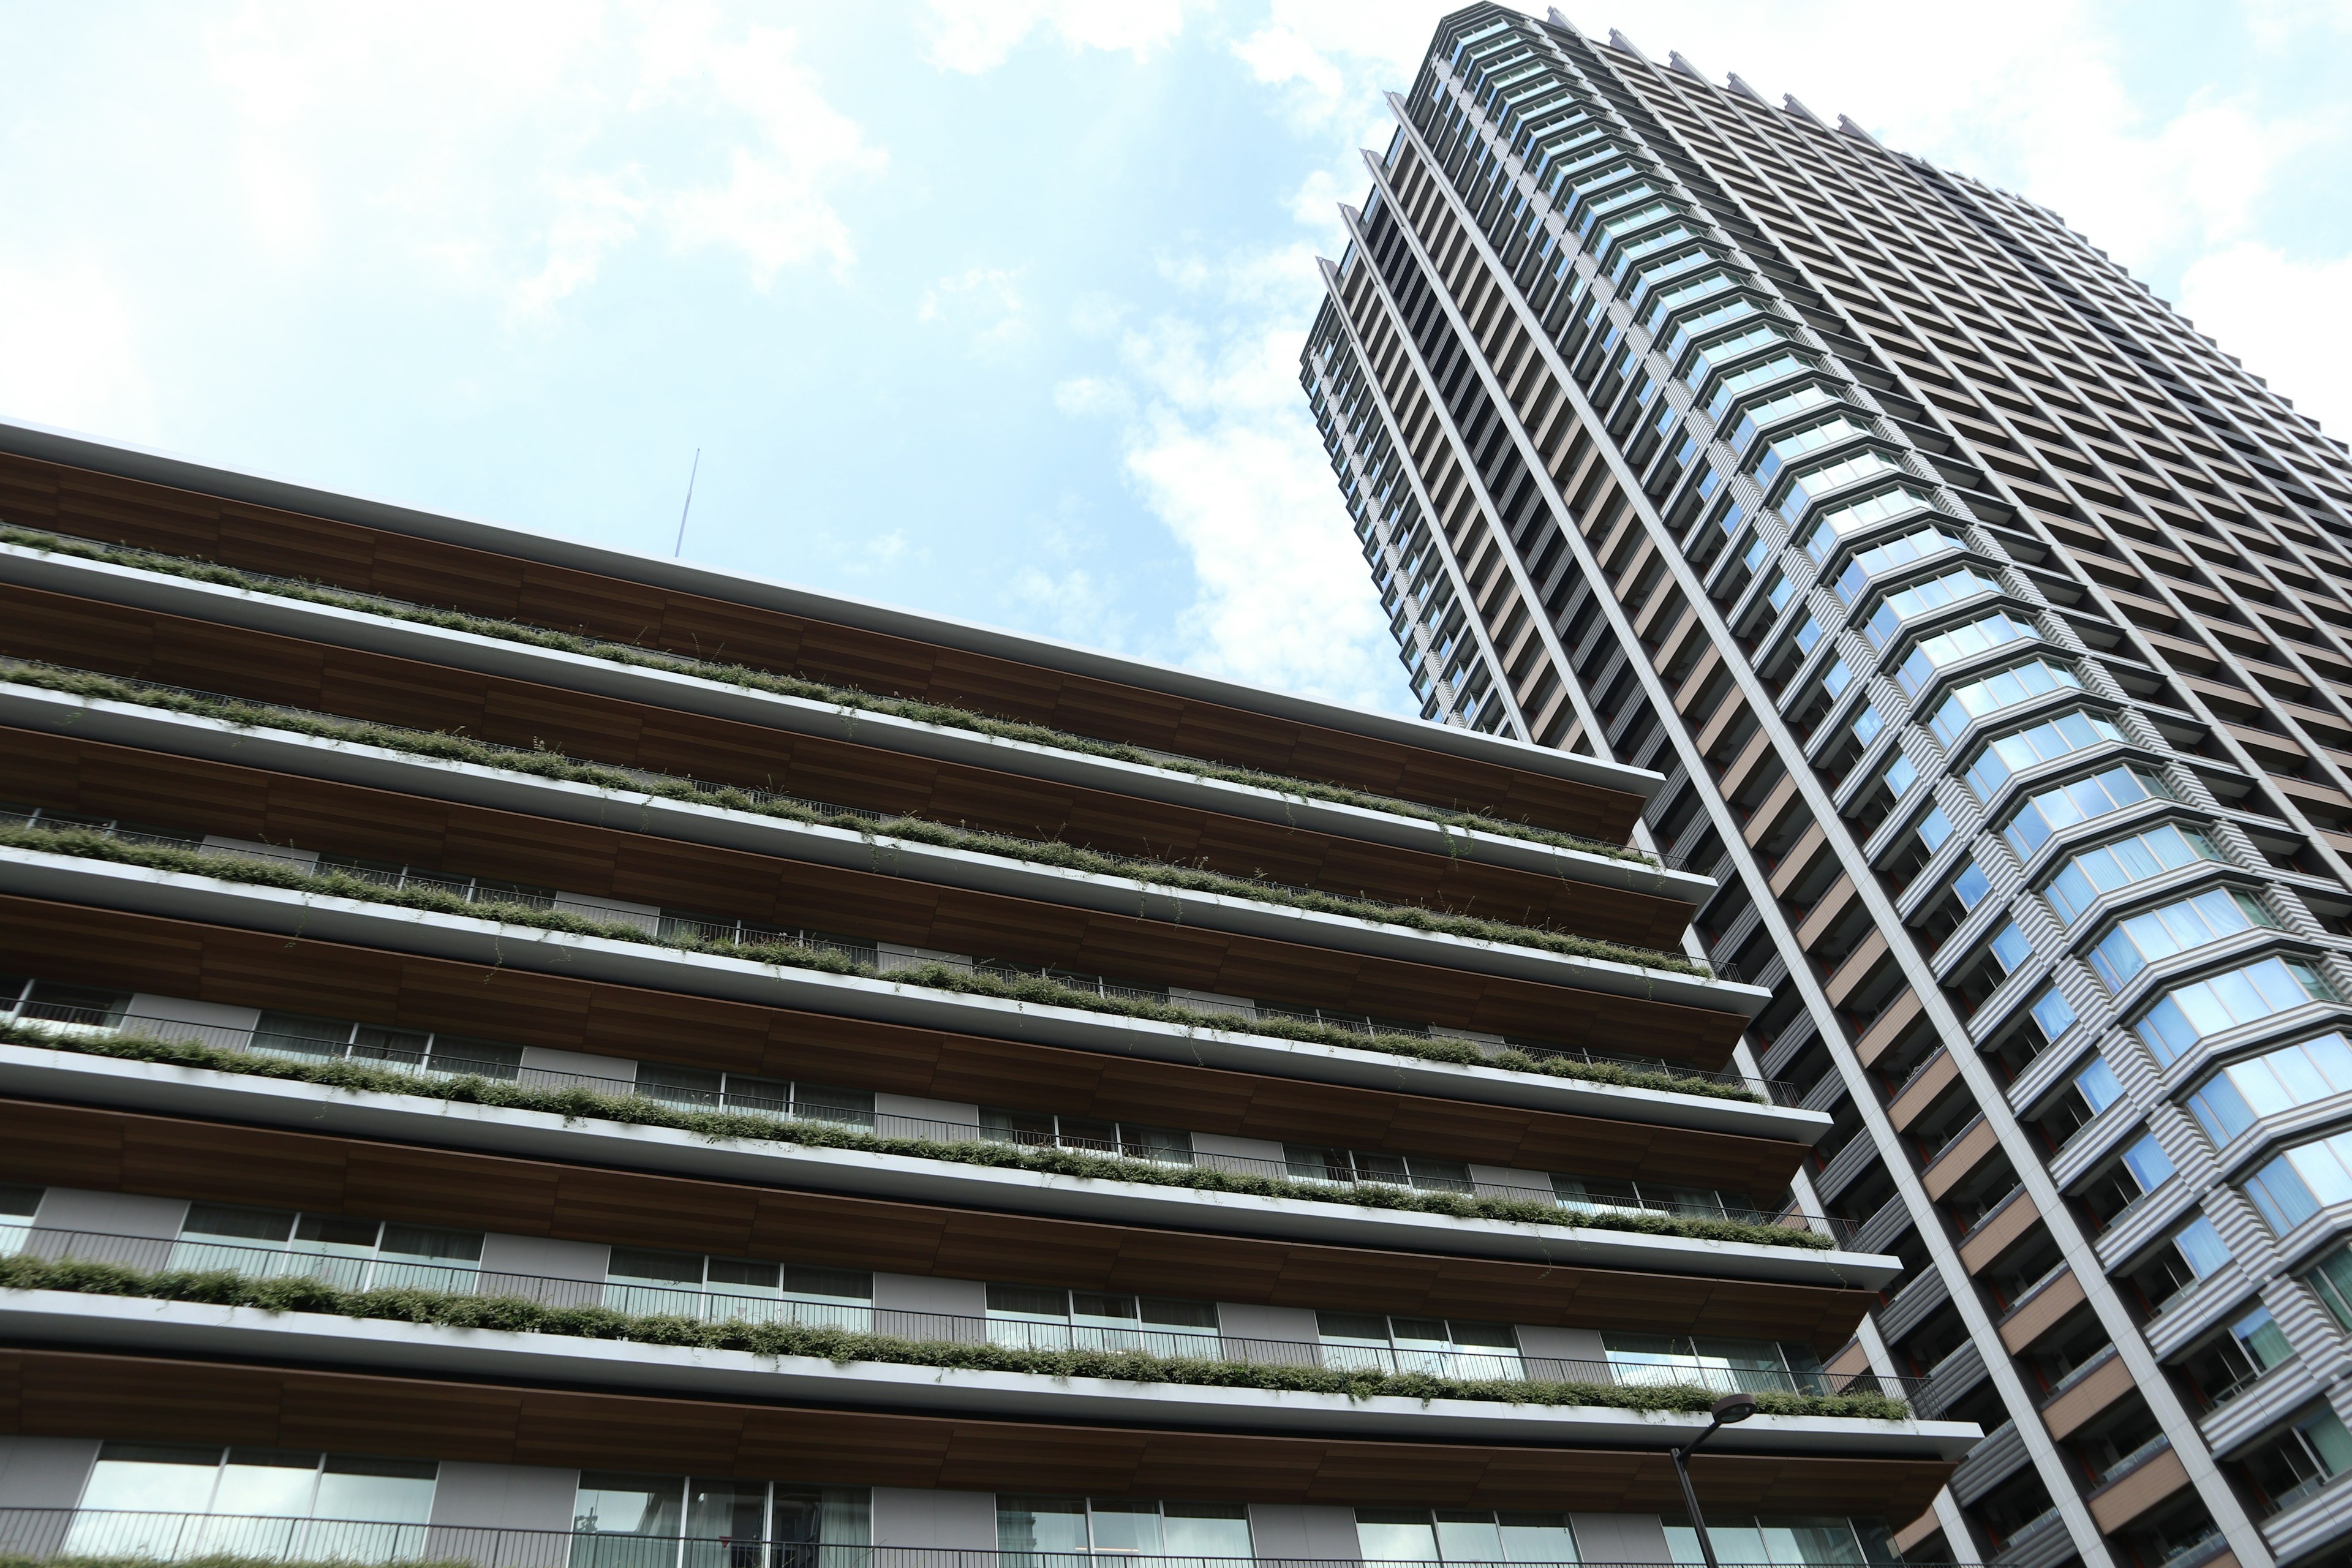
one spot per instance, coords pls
(1993, 631)
(518, 1054)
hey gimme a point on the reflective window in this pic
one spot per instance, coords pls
(1754, 375)
(1033, 1317)
(2094, 873)
(2302, 1181)
(18, 1207)
(1786, 449)
(2052, 1015)
(2331, 1278)
(1850, 517)
(1915, 599)
(624, 1519)
(1682, 294)
(1311, 1164)
(351, 1254)
(257, 1502)
(1956, 642)
(1726, 1365)
(1796, 400)
(1031, 1527)
(1371, 1342)
(2143, 939)
(2187, 1014)
(1727, 349)
(2057, 736)
(1862, 465)
(689, 1284)
(1043, 1130)
(1972, 700)
(1890, 556)
(1463, 1535)
(1794, 1543)
(2080, 801)
(2272, 1084)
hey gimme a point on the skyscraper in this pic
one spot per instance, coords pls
(1993, 630)
(518, 1054)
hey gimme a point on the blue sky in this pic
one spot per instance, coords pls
(988, 309)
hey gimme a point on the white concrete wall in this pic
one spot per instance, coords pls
(923, 1293)
(544, 1258)
(203, 1019)
(1240, 1148)
(45, 1472)
(1244, 1321)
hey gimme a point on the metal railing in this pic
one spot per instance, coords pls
(1143, 867)
(52, 1534)
(351, 1270)
(435, 1064)
(670, 928)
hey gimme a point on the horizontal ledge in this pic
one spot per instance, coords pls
(186, 1326)
(414, 1119)
(50, 444)
(472, 783)
(470, 940)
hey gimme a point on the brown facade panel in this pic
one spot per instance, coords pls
(65, 1394)
(164, 1156)
(252, 969)
(156, 517)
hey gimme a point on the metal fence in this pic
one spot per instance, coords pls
(354, 1269)
(43, 1535)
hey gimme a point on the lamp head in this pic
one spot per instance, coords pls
(1734, 1408)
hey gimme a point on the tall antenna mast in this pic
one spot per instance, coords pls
(688, 507)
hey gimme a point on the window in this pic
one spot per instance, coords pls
(768, 1096)
(1796, 400)
(2052, 1015)
(2331, 1278)
(2189, 1255)
(301, 1037)
(1956, 642)
(1706, 321)
(1788, 448)
(351, 1254)
(1812, 483)
(1463, 1535)
(1879, 558)
(2312, 1453)
(47, 1002)
(2302, 1181)
(2189, 1013)
(1682, 294)
(2094, 873)
(1728, 1366)
(1724, 352)
(2143, 939)
(1794, 1543)
(1369, 1342)
(2272, 1083)
(262, 1502)
(2080, 801)
(2051, 739)
(17, 1206)
(2138, 1170)
(1915, 599)
(1309, 1163)
(1040, 1129)
(1594, 1194)
(1851, 516)
(1972, 700)
(687, 1284)
(1754, 375)
(626, 1520)
(1030, 1528)
(1034, 1317)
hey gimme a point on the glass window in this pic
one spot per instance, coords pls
(1796, 400)
(1047, 1317)
(2094, 873)
(2081, 800)
(2097, 1086)
(1754, 375)
(2200, 1247)
(1796, 1542)
(1852, 517)
(1866, 464)
(262, 1503)
(2147, 1163)
(1724, 352)
(1726, 1365)
(1463, 1535)
(1954, 644)
(2272, 1083)
(2052, 1015)
(1034, 1527)
(1972, 700)
(2187, 1014)
(2146, 937)
(1309, 1163)
(1788, 448)
(2302, 1181)
(2331, 1278)
(17, 1206)
(1372, 1342)
(1915, 599)
(1892, 555)
(2057, 736)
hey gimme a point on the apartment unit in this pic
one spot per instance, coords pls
(515, 1053)
(1993, 632)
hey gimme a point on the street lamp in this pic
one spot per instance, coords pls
(1730, 1408)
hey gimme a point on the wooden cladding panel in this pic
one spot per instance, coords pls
(157, 517)
(196, 795)
(111, 638)
(165, 1156)
(253, 969)
(70, 1394)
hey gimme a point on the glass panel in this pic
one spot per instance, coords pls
(1468, 1537)
(721, 1514)
(1396, 1535)
(1028, 1525)
(217, 1236)
(1128, 1527)
(1541, 1537)
(1208, 1530)
(293, 1034)
(386, 1491)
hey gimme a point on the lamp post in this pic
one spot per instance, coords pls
(1730, 1408)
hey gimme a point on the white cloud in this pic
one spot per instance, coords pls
(69, 351)
(1089, 396)
(988, 298)
(974, 35)
(2254, 301)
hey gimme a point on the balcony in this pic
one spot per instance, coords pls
(844, 1331)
